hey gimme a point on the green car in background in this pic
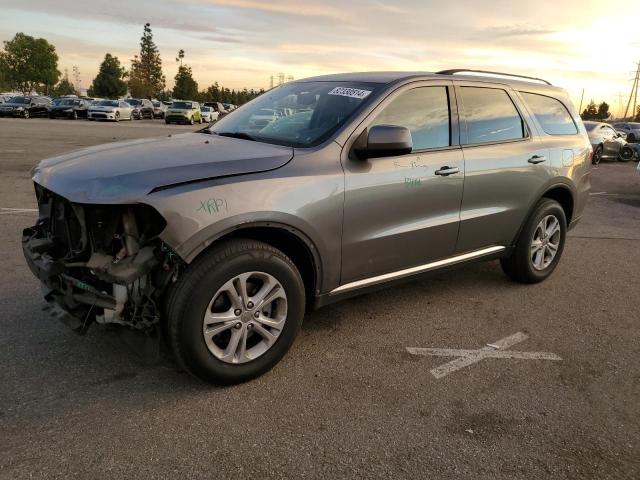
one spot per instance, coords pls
(183, 112)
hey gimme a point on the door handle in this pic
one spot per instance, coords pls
(446, 171)
(537, 159)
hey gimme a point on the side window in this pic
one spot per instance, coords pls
(425, 112)
(490, 115)
(553, 116)
(123, 105)
(608, 132)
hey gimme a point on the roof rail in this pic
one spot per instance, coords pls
(460, 70)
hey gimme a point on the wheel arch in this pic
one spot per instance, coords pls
(562, 193)
(291, 241)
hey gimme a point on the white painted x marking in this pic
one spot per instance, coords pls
(469, 357)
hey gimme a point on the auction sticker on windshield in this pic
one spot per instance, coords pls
(350, 92)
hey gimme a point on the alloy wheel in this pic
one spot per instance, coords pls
(245, 317)
(545, 243)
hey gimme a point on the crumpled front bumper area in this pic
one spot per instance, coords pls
(70, 300)
(99, 263)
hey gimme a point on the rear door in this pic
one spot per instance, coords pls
(398, 211)
(505, 165)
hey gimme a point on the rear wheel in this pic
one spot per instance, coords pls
(26, 114)
(235, 312)
(597, 155)
(191, 121)
(540, 244)
(74, 115)
(626, 154)
(117, 117)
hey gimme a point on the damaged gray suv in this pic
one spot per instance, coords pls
(315, 191)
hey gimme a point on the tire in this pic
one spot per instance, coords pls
(521, 265)
(626, 154)
(200, 121)
(116, 117)
(26, 114)
(52, 117)
(193, 295)
(631, 138)
(597, 155)
(191, 121)
(167, 122)
(74, 116)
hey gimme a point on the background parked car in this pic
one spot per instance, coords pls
(159, 109)
(25, 107)
(208, 115)
(115, 110)
(73, 108)
(631, 130)
(217, 107)
(607, 143)
(143, 108)
(183, 112)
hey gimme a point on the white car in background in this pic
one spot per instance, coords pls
(209, 114)
(115, 110)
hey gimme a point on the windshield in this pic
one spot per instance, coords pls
(70, 102)
(107, 103)
(205, 109)
(20, 100)
(133, 101)
(296, 114)
(181, 105)
(634, 125)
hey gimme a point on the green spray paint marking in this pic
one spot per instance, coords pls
(213, 206)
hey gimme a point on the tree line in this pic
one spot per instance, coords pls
(29, 64)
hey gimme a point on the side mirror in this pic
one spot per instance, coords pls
(384, 141)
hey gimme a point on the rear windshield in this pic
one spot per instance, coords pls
(553, 116)
(133, 101)
(70, 102)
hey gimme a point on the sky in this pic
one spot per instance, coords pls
(577, 45)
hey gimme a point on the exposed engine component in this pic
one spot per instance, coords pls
(102, 263)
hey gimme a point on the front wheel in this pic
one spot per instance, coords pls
(191, 121)
(235, 312)
(74, 116)
(540, 244)
(116, 117)
(26, 114)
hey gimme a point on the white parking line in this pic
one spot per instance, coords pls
(469, 357)
(11, 211)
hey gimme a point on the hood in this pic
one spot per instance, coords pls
(125, 172)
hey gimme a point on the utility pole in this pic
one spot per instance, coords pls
(633, 95)
(581, 98)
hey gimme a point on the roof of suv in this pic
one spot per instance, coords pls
(392, 77)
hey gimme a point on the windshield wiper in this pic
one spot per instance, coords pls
(242, 135)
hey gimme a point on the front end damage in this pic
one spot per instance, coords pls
(99, 263)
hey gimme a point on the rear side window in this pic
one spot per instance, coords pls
(553, 116)
(425, 112)
(490, 116)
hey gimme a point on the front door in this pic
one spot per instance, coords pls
(403, 211)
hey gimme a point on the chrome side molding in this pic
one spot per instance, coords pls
(366, 282)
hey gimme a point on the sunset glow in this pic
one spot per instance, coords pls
(241, 43)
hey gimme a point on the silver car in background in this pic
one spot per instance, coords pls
(114, 110)
(607, 143)
(630, 129)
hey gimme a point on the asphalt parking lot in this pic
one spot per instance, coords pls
(349, 400)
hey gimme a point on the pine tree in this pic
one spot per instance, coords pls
(186, 88)
(146, 79)
(109, 82)
(591, 112)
